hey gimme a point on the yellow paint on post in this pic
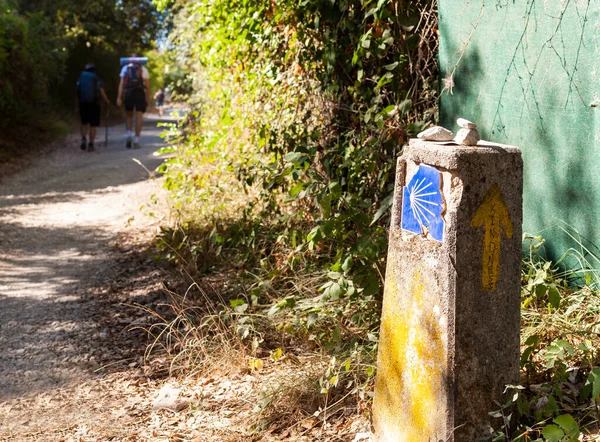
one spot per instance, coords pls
(412, 363)
(493, 213)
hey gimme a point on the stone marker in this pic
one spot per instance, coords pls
(449, 338)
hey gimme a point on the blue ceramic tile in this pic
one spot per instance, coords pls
(422, 203)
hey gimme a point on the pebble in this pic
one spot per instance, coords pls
(168, 398)
(436, 133)
(466, 124)
(467, 137)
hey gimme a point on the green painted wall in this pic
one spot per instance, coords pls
(530, 76)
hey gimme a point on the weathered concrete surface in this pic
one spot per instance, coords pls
(450, 323)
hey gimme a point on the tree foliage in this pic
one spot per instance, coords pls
(29, 63)
(45, 44)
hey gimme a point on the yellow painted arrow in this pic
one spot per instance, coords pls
(493, 213)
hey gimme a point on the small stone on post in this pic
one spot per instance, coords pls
(436, 133)
(467, 134)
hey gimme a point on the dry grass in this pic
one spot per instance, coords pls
(292, 397)
(202, 337)
(195, 336)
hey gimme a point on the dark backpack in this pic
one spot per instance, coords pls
(133, 77)
(88, 88)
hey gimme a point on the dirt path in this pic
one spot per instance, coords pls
(63, 339)
(74, 234)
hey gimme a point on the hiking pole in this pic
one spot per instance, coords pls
(106, 125)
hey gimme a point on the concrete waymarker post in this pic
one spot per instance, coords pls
(451, 310)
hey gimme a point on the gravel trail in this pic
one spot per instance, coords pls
(60, 224)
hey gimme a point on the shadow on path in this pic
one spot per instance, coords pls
(64, 269)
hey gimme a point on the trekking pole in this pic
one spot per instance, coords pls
(106, 125)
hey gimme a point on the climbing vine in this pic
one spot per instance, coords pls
(309, 104)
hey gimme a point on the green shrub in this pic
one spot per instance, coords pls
(307, 104)
(30, 64)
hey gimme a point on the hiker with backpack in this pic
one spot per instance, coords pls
(135, 84)
(89, 91)
(159, 98)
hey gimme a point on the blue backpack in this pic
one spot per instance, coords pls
(87, 88)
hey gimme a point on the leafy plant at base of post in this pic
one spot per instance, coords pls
(541, 283)
(563, 429)
(559, 341)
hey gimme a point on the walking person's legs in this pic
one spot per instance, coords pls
(130, 108)
(94, 123)
(86, 120)
(139, 116)
(83, 144)
(130, 115)
(139, 119)
(92, 135)
(140, 107)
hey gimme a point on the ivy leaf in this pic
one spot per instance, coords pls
(315, 235)
(389, 109)
(236, 302)
(238, 305)
(295, 157)
(335, 189)
(554, 296)
(385, 79)
(335, 291)
(385, 205)
(325, 205)
(533, 340)
(540, 290)
(347, 265)
(371, 12)
(299, 187)
(594, 380)
(392, 66)
(568, 425)
(553, 433)
(404, 107)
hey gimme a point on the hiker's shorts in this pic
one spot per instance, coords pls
(135, 99)
(90, 114)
